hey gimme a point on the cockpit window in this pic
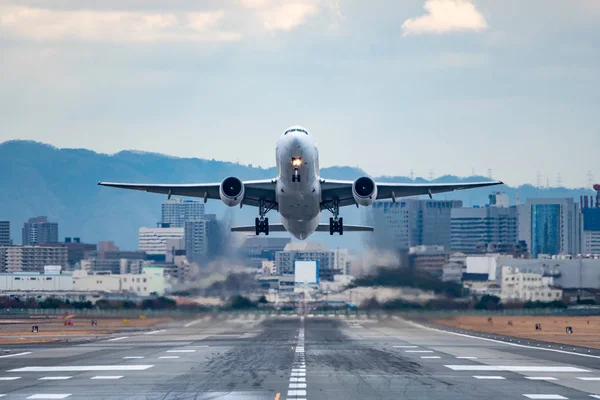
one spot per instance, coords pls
(295, 130)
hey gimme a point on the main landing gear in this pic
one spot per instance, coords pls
(261, 224)
(336, 223)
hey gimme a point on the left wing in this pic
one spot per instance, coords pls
(342, 190)
(254, 190)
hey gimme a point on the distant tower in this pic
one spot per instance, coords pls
(538, 179)
(590, 178)
(412, 174)
(431, 175)
(559, 181)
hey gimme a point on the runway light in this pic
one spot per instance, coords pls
(296, 162)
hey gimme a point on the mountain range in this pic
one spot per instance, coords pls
(39, 179)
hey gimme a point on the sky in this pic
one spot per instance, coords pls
(434, 87)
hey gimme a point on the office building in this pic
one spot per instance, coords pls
(478, 227)
(154, 240)
(408, 223)
(5, 234)
(150, 282)
(176, 212)
(256, 249)
(591, 226)
(428, 258)
(39, 230)
(76, 251)
(550, 226)
(18, 259)
(331, 262)
(110, 261)
(201, 238)
(35, 281)
(518, 285)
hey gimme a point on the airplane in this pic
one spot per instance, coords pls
(299, 193)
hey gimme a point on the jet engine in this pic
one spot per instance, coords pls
(364, 191)
(231, 191)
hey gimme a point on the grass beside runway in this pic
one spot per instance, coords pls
(586, 330)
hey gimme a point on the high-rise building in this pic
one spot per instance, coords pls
(154, 240)
(477, 226)
(201, 238)
(550, 226)
(31, 258)
(5, 233)
(176, 212)
(39, 230)
(409, 223)
(590, 242)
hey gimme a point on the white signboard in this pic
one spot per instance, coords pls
(306, 272)
(52, 269)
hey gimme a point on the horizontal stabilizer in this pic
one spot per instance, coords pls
(320, 228)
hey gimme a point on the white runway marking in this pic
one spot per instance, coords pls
(118, 338)
(298, 374)
(297, 386)
(296, 393)
(488, 377)
(541, 378)
(430, 357)
(513, 368)
(49, 396)
(199, 347)
(595, 396)
(467, 358)
(133, 357)
(589, 378)
(153, 332)
(81, 368)
(169, 357)
(181, 351)
(405, 347)
(545, 396)
(9, 378)
(107, 377)
(16, 355)
(418, 351)
(292, 379)
(192, 323)
(55, 378)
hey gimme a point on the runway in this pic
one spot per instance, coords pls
(312, 357)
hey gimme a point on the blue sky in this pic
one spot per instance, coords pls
(452, 86)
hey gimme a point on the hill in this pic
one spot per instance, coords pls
(39, 179)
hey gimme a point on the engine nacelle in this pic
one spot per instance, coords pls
(364, 191)
(231, 191)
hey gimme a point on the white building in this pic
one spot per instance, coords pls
(150, 281)
(527, 286)
(35, 282)
(331, 262)
(154, 240)
(31, 258)
(483, 265)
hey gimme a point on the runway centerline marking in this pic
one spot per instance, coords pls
(418, 351)
(545, 396)
(541, 378)
(430, 357)
(133, 357)
(466, 358)
(9, 378)
(589, 378)
(16, 355)
(153, 332)
(81, 368)
(181, 351)
(49, 396)
(118, 338)
(192, 323)
(169, 357)
(405, 347)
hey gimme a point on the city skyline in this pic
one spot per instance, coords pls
(485, 86)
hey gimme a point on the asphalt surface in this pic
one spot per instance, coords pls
(312, 357)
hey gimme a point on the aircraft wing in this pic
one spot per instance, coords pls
(320, 228)
(342, 190)
(254, 190)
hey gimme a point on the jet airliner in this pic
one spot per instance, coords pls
(299, 193)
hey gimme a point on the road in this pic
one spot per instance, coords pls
(312, 357)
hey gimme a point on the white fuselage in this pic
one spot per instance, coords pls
(298, 186)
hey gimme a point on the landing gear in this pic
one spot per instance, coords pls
(336, 223)
(296, 176)
(261, 224)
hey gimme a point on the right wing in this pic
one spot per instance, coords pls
(254, 190)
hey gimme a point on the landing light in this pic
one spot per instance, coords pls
(296, 162)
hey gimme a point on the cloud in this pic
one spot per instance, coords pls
(445, 16)
(92, 25)
(283, 15)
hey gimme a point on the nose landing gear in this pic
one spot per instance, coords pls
(296, 176)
